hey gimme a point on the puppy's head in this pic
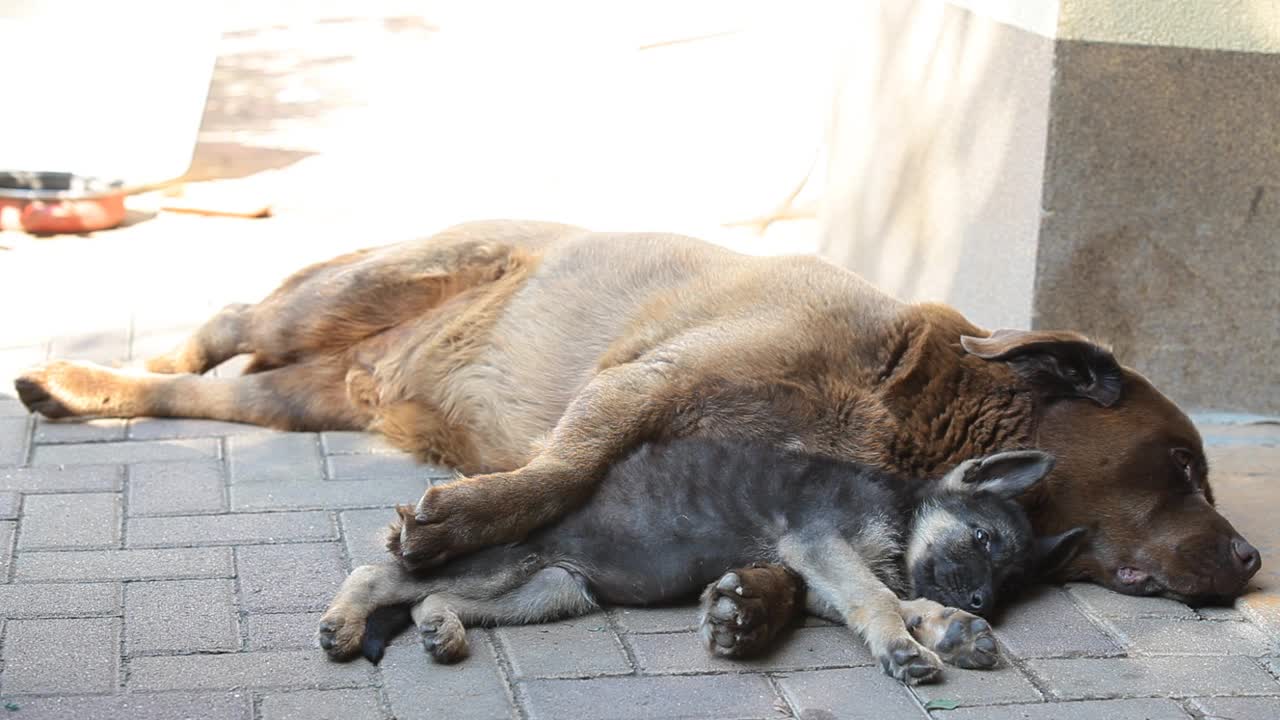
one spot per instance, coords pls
(971, 542)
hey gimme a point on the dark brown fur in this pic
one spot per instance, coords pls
(539, 353)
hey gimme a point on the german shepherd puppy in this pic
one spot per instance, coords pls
(670, 518)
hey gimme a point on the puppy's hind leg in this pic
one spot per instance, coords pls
(551, 593)
(745, 610)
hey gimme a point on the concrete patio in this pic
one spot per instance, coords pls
(177, 568)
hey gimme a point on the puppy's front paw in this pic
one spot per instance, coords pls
(959, 638)
(908, 661)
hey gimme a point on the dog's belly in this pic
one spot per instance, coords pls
(547, 344)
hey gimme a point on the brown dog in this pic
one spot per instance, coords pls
(538, 353)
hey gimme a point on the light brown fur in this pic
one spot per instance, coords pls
(532, 355)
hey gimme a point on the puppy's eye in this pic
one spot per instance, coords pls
(982, 537)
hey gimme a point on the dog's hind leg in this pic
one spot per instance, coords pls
(742, 613)
(306, 396)
(222, 337)
(550, 594)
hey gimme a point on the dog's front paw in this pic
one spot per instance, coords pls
(450, 520)
(959, 638)
(744, 610)
(341, 633)
(908, 661)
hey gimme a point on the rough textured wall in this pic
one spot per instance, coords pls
(1162, 215)
(936, 158)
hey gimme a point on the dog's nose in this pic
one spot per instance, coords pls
(977, 601)
(1246, 556)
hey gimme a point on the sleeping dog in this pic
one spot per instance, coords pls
(670, 518)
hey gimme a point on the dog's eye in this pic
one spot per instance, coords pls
(1185, 461)
(982, 537)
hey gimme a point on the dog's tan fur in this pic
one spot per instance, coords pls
(537, 353)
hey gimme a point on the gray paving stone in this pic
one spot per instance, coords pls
(805, 648)
(87, 478)
(382, 467)
(61, 656)
(229, 671)
(1145, 709)
(724, 697)
(9, 505)
(1046, 623)
(51, 432)
(1211, 612)
(322, 705)
(273, 458)
(657, 620)
(292, 578)
(167, 706)
(850, 694)
(354, 443)
(334, 494)
(581, 647)
(282, 631)
(181, 615)
(79, 520)
(1105, 603)
(157, 564)
(1005, 684)
(1085, 678)
(1222, 708)
(6, 547)
(470, 690)
(235, 529)
(10, 407)
(31, 600)
(174, 428)
(1154, 636)
(124, 452)
(14, 435)
(177, 488)
(365, 533)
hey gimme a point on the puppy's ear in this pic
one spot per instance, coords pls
(1056, 364)
(1006, 474)
(1053, 552)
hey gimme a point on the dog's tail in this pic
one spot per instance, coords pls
(380, 629)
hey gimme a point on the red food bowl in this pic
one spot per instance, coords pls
(47, 203)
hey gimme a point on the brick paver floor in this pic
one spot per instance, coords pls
(177, 568)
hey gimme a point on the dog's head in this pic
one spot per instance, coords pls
(1130, 468)
(971, 542)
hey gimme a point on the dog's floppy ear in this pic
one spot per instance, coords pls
(1057, 363)
(1053, 552)
(1006, 474)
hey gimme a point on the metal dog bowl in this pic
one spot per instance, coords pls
(46, 203)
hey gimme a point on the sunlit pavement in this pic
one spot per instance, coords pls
(163, 568)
